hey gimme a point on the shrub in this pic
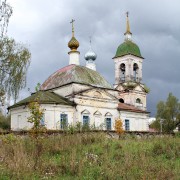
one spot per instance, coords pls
(4, 122)
(119, 127)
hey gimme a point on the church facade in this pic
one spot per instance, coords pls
(78, 94)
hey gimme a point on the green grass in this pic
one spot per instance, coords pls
(89, 156)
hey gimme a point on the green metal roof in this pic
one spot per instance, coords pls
(126, 48)
(44, 97)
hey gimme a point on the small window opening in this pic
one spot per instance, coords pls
(138, 101)
(121, 100)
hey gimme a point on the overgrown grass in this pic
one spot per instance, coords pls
(89, 156)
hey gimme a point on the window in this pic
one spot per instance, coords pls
(19, 121)
(138, 101)
(64, 121)
(127, 128)
(108, 123)
(42, 121)
(85, 120)
(121, 100)
(97, 119)
(122, 72)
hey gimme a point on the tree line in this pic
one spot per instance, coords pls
(167, 115)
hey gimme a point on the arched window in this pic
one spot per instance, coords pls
(135, 71)
(121, 100)
(108, 121)
(138, 101)
(85, 118)
(98, 120)
(122, 72)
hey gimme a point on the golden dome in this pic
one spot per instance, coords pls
(73, 44)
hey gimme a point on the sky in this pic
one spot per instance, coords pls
(43, 26)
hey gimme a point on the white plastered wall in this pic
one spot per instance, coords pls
(105, 108)
(128, 60)
(137, 121)
(19, 116)
(130, 98)
(70, 89)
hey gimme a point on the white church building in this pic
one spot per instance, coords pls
(77, 93)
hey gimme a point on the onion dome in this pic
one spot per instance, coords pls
(73, 44)
(90, 55)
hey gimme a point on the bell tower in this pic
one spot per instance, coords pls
(128, 71)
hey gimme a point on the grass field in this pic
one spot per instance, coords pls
(89, 156)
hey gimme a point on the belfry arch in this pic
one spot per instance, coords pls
(122, 69)
(135, 72)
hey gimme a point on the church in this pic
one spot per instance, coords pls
(79, 94)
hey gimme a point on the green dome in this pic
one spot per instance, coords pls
(75, 74)
(128, 47)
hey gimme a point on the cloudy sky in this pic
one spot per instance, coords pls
(43, 25)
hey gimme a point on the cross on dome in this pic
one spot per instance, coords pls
(72, 22)
(128, 33)
(73, 43)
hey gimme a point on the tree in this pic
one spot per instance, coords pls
(119, 127)
(5, 13)
(14, 62)
(14, 59)
(168, 113)
(36, 115)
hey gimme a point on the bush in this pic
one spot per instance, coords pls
(4, 122)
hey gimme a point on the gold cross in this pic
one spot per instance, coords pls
(72, 22)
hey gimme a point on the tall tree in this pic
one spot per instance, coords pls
(14, 58)
(168, 113)
(14, 61)
(5, 13)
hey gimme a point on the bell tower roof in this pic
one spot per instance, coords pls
(128, 47)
